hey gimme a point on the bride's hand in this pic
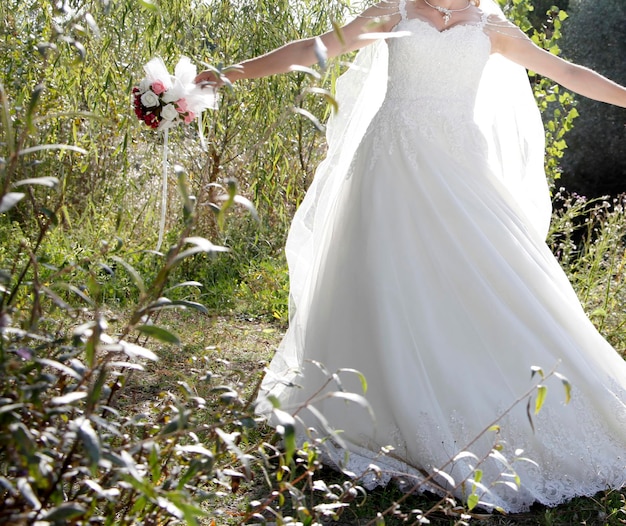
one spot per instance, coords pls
(209, 77)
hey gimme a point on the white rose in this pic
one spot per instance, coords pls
(144, 86)
(149, 99)
(170, 96)
(169, 112)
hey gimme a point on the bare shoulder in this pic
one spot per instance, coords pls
(504, 34)
(385, 13)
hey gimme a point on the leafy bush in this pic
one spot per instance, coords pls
(556, 104)
(587, 235)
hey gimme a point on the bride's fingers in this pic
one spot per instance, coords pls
(207, 78)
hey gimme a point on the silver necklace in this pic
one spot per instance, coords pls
(447, 13)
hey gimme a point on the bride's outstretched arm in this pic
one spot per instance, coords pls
(379, 18)
(511, 42)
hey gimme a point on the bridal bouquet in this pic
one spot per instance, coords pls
(162, 100)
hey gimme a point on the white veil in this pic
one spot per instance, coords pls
(508, 117)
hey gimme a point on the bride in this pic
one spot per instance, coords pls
(418, 258)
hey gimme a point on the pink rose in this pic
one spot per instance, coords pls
(189, 117)
(158, 87)
(181, 106)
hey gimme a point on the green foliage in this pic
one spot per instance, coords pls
(588, 238)
(558, 106)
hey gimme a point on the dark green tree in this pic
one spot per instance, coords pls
(595, 161)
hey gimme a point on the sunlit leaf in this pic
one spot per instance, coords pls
(566, 385)
(44, 181)
(542, 390)
(137, 279)
(200, 245)
(61, 367)
(472, 501)
(9, 200)
(69, 398)
(321, 52)
(326, 94)
(465, 454)
(159, 333)
(90, 439)
(42, 147)
(286, 426)
(311, 117)
(448, 478)
(135, 351)
(184, 284)
(27, 493)
(32, 104)
(304, 69)
(148, 4)
(228, 439)
(529, 415)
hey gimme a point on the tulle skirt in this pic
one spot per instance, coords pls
(428, 281)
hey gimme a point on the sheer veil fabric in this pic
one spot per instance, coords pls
(418, 258)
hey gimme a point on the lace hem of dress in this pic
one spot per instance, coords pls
(503, 457)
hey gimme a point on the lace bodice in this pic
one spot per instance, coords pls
(433, 80)
(428, 63)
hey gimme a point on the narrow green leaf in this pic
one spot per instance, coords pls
(542, 390)
(159, 333)
(42, 147)
(32, 105)
(286, 427)
(48, 181)
(359, 374)
(7, 122)
(136, 351)
(568, 389)
(90, 440)
(326, 94)
(472, 501)
(306, 113)
(308, 71)
(529, 415)
(148, 4)
(69, 398)
(228, 439)
(184, 284)
(133, 273)
(338, 32)
(60, 367)
(27, 492)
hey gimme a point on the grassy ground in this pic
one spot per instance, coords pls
(235, 349)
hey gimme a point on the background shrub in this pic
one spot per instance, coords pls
(595, 161)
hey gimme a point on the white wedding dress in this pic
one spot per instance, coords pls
(424, 274)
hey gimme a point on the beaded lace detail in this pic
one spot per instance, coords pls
(415, 100)
(543, 477)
